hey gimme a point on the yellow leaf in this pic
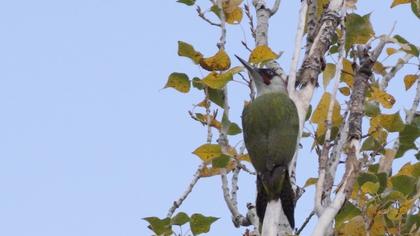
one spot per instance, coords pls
(347, 74)
(213, 122)
(385, 99)
(244, 157)
(328, 74)
(234, 17)
(178, 81)
(187, 50)
(212, 171)
(231, 5)
(354, 227)
(310, 181)
(409, 81)
(370, 187)
(399, 2)
(391, 122)
(406, 169)
(378, 226)
(378, 68)
(216, 81)
(391, 51)
(220, 61)
(321, 113)
(207, 152)
(345, 91)
(262, 54)
(351, 4)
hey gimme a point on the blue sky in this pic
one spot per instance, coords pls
(89, 143)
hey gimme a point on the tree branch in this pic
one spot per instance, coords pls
(275, 7)
(190, 187)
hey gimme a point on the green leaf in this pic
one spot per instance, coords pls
(416, 169)
(412, 224)
(366, 177)
(308, 113)
(159, 226)
(216, 10)
(370, 187)
(372, 109)
(415, 7)
(234, 129)
(201, 224)
(382, 177)
(217, 96)
(310, 181)
(179, 81)
(404, 184)
(347, 212)
(187, 2)
(207, 152)
(187, 50)
(391, 122)
(407, 138)
(220, 162)
(180, 219)
(370, 144)
(406, 46)
(359, 29)
(328, 74)
(196, 83)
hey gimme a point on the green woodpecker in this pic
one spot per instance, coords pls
(270, 127)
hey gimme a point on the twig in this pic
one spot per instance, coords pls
(305, 222)
(275, 7)
(416, 102)
(401, 62)
(237, 218)
(202, 16)
(190, 187)
(251, 20)
(207, 101)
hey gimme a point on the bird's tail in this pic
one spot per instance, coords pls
(274, 187)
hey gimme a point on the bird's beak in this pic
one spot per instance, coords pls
(254, 73)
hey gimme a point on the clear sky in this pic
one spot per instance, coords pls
(89, 143)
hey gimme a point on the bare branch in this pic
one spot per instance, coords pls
(275, 7)
(401, 62)
(298, 42)
(237, 218)
(305, 222)
(416, 102)
(203, 16)
(207, 101)
(251, 20)
(233, 193)
(222, 40)
(181, 199)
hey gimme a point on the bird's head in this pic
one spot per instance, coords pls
(266, 79)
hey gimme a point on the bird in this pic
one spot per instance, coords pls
(270, 128)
